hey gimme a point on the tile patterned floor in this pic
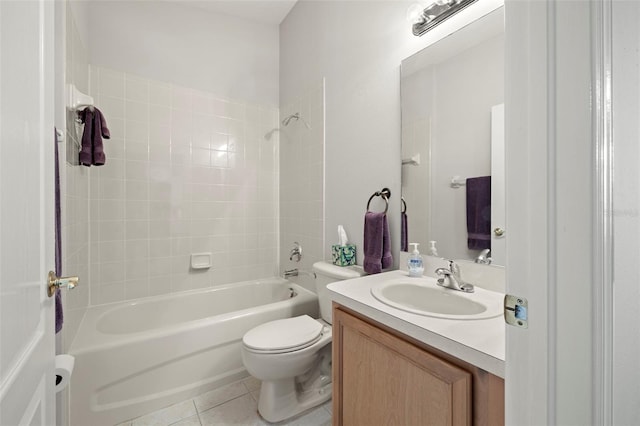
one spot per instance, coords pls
(234, 404)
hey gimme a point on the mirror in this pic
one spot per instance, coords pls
(453, 130)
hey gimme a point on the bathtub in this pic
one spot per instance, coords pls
(136, 357)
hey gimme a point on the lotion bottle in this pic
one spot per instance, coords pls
(416, 268)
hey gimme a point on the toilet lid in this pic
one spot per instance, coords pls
(284, 335)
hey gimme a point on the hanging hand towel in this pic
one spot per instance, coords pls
(95, 128)
(404, 232)
(377, 247)
(479, 213)
(58, 236)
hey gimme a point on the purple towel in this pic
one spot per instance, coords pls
(377, 245)
(95, 128)
(404, 232)
(58, 236)
(479, 213)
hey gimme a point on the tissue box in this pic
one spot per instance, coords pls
(343, 255)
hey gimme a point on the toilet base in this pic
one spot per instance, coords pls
(279, 400)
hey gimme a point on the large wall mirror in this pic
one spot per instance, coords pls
(453, 143)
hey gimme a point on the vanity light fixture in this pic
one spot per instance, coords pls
(434, 14)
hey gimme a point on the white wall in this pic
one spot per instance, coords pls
(185, 46)
(357, 47)
(626, 204)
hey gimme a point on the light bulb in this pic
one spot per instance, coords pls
(414, 13)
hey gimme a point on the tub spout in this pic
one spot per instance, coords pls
(290, 273)
(295, 272)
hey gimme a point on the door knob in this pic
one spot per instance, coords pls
(499, 232)
(56, 282)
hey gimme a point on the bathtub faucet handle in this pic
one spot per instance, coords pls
(296, 252)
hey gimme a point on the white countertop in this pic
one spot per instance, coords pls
(478, 342)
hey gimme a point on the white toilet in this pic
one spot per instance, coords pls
(292, 356)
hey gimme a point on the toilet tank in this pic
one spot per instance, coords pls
(327, 273)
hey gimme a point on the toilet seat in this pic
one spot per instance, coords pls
(285, 335)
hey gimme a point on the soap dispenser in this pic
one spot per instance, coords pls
(432, 249)
(415, 265)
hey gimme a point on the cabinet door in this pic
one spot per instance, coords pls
(380, 379)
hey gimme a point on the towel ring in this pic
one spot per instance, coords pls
(403, 205)
(385, 194)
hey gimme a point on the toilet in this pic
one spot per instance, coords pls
(292, 356)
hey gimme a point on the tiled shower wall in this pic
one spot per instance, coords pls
(186, 172)
(302, 182)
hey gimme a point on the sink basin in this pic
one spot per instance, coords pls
(424, 297)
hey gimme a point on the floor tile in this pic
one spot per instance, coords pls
(316, 417)
(252, 383)
(240, 411)
(218, 396)
(167, 416)
(191, 421)
(229, 405)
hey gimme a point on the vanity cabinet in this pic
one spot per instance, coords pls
(381, 377)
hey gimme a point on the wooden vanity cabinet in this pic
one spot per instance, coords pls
(381, 377)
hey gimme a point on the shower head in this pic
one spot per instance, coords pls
(286, 120)
(296, 116)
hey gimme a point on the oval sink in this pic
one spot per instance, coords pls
(426, 298)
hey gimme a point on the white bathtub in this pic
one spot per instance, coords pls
(133, 358)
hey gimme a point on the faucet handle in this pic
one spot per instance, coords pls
(296, 252)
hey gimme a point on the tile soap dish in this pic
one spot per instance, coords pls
(200, 260)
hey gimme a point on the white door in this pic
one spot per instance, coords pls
(555, 100)
(498, 233)
(27, 378)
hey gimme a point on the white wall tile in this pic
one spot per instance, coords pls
(137, 111)
(159, 133)
(112, 108)
(136, 89)
(136, 288)
(111, 82)
(184, 177)
(159, 93)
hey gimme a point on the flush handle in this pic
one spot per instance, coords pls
(56, 282)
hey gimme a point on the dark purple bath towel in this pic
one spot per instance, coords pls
(479, 213)
(95, 128)
(58, 237)
(377, 243)
(404, 232)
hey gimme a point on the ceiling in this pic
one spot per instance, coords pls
(264, 11)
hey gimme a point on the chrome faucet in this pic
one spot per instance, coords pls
(451, 278)
(484, 257)
(296, 252)
(288, 273)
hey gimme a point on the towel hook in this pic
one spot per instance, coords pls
(403, 205)
(385, 194)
